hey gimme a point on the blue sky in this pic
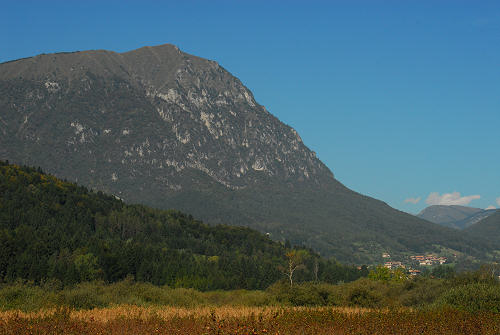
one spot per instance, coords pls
(401, 99)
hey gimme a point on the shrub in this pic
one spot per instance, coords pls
(305, 294)
(421, 292)
(84, 296)
(26, 297)
(472, 297)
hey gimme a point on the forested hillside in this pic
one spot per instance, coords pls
(56, 230)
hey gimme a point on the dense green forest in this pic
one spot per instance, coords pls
(53, 230)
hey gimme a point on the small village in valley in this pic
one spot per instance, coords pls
(414, 263)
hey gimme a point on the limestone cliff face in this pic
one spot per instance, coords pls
(155, 111)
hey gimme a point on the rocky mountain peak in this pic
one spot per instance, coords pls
(162, 110)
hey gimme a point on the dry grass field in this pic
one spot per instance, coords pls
(247, 320)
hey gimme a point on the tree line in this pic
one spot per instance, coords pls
(52, 229)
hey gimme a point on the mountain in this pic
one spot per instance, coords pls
(458, 217)
(52, 229)
(488, 228)
(167, 129)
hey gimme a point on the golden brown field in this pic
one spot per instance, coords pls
(247, 320)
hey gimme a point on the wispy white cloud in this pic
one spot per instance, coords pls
(490, 207)
(412, 200)
(498, 201)
(450, 199)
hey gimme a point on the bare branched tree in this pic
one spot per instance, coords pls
(295, 261)
(316, 269)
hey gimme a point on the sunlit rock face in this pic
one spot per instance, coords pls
(100, 117)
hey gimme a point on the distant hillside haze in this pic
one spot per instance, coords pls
(453, 216)
(489, 228)
(443, 214)
(167, 129)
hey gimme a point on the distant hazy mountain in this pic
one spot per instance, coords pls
(458, 217)
(489, 228)
(171, 130)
